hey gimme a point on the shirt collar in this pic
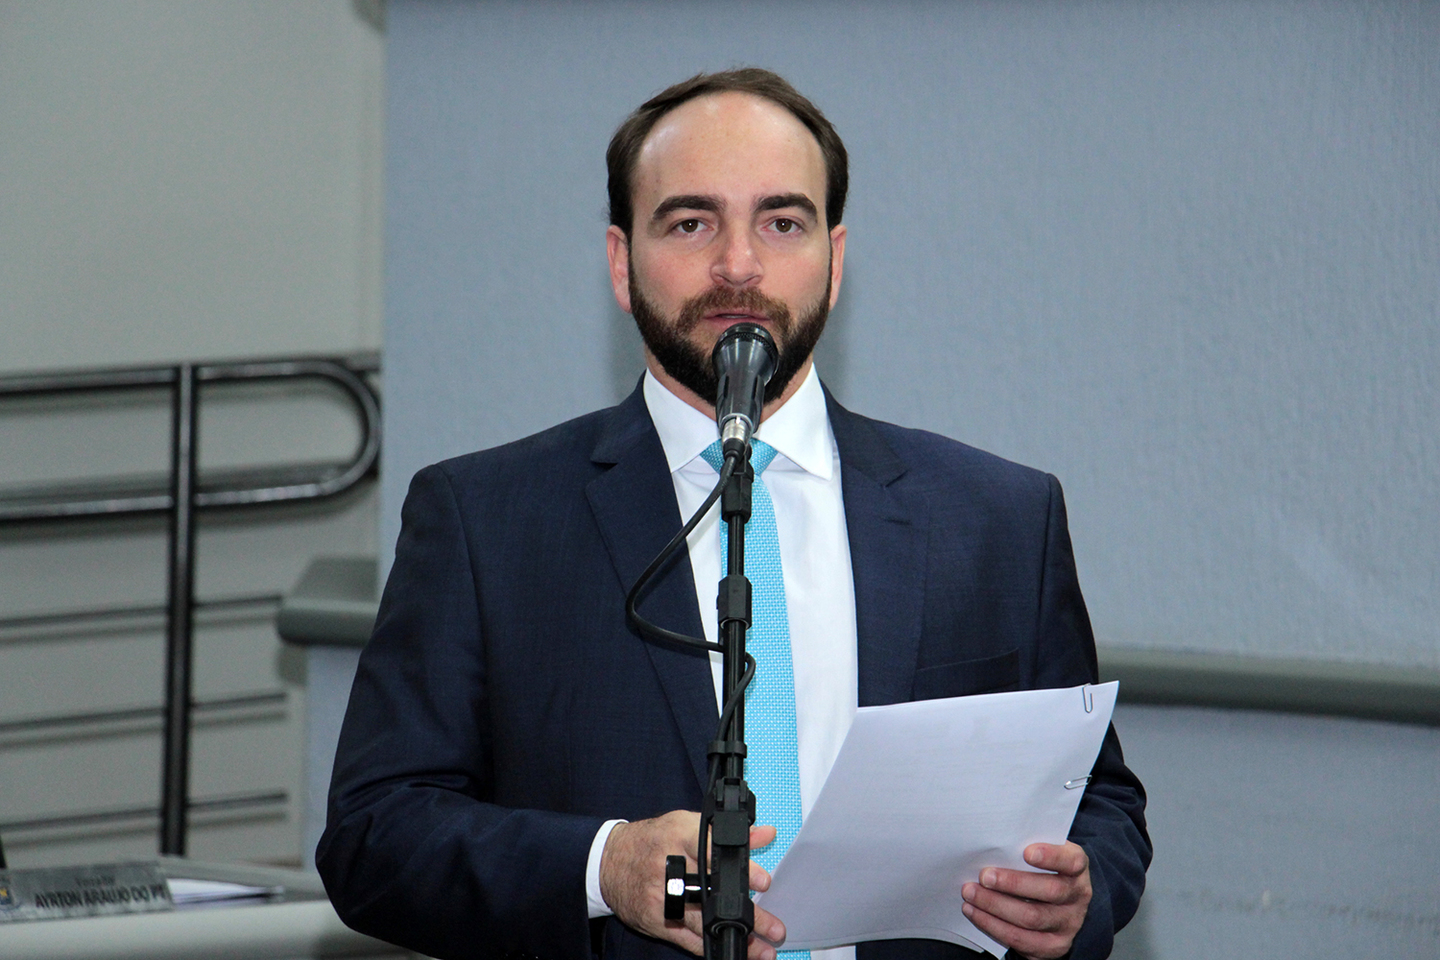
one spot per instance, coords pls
(799, 430)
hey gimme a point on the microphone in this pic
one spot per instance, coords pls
(745, 359)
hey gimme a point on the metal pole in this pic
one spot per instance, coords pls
(175, 782)
(727, 912)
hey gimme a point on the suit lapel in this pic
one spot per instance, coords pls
(635, 507)
(887, 531)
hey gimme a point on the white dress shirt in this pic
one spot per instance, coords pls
(804, 484)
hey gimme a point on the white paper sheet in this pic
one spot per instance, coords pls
(921, 797)
(189, 892)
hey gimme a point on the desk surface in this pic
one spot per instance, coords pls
(302, 925)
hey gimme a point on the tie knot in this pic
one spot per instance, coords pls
(761, 453)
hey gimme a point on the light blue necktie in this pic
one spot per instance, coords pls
(773, 766)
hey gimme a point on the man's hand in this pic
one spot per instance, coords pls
(632, 881)
(1035, 914)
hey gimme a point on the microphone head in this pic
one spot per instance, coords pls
(739, 343)
(745, 358)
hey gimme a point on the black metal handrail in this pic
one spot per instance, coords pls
(61, 722)
(113, 815)
(274, 485)
(30, 626)
(182, 495)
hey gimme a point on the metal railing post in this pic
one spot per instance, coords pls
(181, 498)
(175, 778)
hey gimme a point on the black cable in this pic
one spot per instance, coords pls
(735, 699)
(632, 615)
(702, 858)
(654, 631)
(702, 848)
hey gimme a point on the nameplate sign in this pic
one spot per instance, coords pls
(50, 893)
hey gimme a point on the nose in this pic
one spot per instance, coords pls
(736, 263)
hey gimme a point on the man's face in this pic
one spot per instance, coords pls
(728, 195)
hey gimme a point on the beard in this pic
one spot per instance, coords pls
(690, 364)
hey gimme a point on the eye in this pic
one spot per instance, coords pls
(785, 225)
(689, 225)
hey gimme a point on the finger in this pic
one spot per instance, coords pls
(1021, 913)
(1031, 943)
(768, 925)
(684, 937)
(758, 949)
(1044, 887)
(759, 837)
(686, 933)
(684, 830)
(690, 936)
(1066, 858)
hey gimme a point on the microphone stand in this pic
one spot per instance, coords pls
(745, 358)
(728, 913)
(722, 885)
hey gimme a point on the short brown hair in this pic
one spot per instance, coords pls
(625, 145)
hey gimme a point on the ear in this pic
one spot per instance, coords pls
(837, 262)
(617, 250)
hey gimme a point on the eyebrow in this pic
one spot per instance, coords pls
(686, 201)
(784, 200)
(698, 201)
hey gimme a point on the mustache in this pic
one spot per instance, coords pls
(724, 300)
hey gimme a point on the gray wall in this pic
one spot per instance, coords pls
(178, 181)
(1279, 837)
(187, 181)
(1184, 255)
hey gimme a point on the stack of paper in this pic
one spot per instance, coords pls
(190, 893)
(922, 796)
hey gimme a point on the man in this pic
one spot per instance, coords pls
(516, 762)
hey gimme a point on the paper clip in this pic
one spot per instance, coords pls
(1077, 783)
(1089, 698)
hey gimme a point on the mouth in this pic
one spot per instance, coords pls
(728, 317)
(718, 309)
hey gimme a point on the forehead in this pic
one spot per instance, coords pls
(733, 145)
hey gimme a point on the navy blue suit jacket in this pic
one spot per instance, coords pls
(503, 709)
